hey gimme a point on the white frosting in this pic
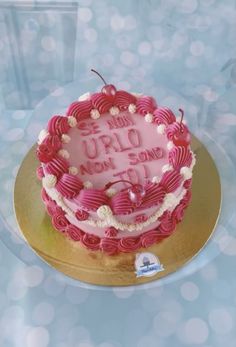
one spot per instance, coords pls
(166, 168)
(73, 170)
(186, 172)
(72, 121)
(64, 153)
(49, 181)
(114, 111)
(42, 136)
(88, 184)
(65, 138)
(94, 114)
(170, 145)
(104, 212)
(84, 97)
(155, 179)
(148, 118)
(132, 108)
(161, 129)
(111, 192)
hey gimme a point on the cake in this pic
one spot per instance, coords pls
(116, 171)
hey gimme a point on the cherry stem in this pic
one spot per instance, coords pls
(181, 120)
(99, 76)
(109, 184)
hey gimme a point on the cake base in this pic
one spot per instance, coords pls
(95, 267)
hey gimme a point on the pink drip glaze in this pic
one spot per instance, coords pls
(146, 104)
(163, 115)
(121, 203)
(109, 245)
(74, 233)
(53, 141)
(39, 172)
(91, 199)
(80, 109)
(57, 166)
(171, 180)
(129, 244)
(154, 195)
(102, 102)
(69, 185)
(124, 99)
(58, 125)
(59, 221)
(180, 156)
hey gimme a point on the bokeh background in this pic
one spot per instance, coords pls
(176, 50)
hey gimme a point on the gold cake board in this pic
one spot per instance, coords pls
(95, 267)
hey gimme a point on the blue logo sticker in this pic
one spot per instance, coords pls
(147, 264)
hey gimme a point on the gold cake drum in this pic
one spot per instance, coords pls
(74, 260)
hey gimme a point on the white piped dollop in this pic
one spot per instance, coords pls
(111, 192)
(114, 111)
(84, 97)
(161, 129)
(148, 118)
(166, 168)
(132, 108)
(72, 121)
(64, 153)
(155, 179)
(88, 184)
(65, 138)
(49, 181)
(42, 136)
(73, 170)
(170, 145)
(104, 212)
(186, 172)
(94, 114)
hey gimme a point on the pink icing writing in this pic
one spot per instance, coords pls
(88, 128)
(120, 122)
(146, 155)
(92, 168)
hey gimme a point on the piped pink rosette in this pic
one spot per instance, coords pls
(89, 200)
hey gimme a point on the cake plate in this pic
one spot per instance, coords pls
(95, 267)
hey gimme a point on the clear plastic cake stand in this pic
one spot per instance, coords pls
(56, 103)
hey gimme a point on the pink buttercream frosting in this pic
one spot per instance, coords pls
(80, 109)
(163, 115)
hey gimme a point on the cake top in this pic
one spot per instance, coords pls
(115, 152)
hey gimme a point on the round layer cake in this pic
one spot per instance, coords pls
(116, 171)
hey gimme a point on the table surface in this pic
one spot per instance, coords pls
(189, 48)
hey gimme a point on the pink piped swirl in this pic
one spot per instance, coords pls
(57, 166)
(111, 232)
(45, 153)
(45, 197)
(146, 104)
(102, 102)
(52, 208)
(188, 183)
(109, 246)
(59, 221)
(154, 195)
(124, 99)
(39, 172)
(128, 244)
(171, 180)
(53, 141)
(180, 156)
(91, 199)
(91, 241)
(121, 203)
(69, 185)
(58, 125)
(176, 129)
(74, 233)
(142, 217)
(168, 223)
(81, 215)
(178, 212)
(149, 238)
(80, 109)
(163, 115)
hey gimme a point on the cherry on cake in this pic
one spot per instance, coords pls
(116, 171)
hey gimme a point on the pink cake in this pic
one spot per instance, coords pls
(116, 171)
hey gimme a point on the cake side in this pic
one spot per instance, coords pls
(103, 209)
